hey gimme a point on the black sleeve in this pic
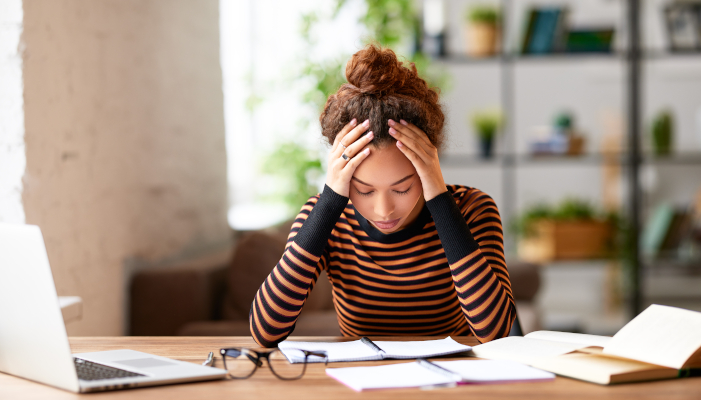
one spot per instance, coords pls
(315, 231)
(452, 228)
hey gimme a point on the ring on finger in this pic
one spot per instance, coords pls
(345, 157)
(342, 145)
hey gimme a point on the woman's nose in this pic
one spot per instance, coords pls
(384, 207)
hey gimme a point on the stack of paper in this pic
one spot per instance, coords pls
(415, 375)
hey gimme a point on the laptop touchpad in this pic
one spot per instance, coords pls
(145, 363)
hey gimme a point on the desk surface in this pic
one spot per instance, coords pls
(316, 384)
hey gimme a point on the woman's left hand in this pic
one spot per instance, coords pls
(414, 144)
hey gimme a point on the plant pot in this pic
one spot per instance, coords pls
(566, 240)
(481, 39)
(486, 147)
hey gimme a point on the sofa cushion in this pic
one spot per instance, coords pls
(255, 256)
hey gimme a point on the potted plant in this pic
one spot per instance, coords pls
(573, 229)
(662, 133)
(486, 125)
(482, 31)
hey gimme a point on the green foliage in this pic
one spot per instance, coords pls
(487, 123)
(570, 209)
(483, 14)
(294, 165)
(326, 78)
(389, 22)
(564, 120)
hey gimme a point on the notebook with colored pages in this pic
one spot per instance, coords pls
(436, 373)
(367, 350)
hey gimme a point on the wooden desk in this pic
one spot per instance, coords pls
(317, 385)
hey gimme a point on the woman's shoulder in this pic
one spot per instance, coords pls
(467, 196)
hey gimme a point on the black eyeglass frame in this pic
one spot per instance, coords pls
(256, 357)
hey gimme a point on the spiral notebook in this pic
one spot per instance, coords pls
(367, 350)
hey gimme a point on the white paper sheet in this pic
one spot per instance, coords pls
(423, 348)
(484, 371)
(412, 374)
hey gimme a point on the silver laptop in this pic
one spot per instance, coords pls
(33, 340)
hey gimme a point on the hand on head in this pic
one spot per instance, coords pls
(414, 144)
(348, 151)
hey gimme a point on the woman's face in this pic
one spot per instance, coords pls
(386, 190)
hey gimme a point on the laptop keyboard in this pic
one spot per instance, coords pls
(90, 371)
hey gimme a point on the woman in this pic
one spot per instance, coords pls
(406, 254)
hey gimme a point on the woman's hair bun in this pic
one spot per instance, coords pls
(379, 88)
(377, 71)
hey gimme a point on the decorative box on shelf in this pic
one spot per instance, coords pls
(552, 240)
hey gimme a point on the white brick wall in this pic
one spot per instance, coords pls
(12, 155)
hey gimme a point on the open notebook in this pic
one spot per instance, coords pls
(662, 342)
(418, 374)
(367, 350)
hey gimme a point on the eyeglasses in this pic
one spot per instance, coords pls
(241, 363)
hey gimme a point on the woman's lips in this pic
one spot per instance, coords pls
(386, 224)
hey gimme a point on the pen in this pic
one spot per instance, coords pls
(440, 370)
(370, 343)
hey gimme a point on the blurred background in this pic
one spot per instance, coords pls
(163, 145)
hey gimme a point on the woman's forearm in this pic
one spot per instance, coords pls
(280, 298)
(475, 253)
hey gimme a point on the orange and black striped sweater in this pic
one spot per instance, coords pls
(444, 274)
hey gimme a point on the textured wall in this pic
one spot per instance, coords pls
(12, 158)
(125, 141)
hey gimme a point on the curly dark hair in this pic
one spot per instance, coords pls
(381, 87)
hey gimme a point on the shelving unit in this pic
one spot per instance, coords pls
(631, 161)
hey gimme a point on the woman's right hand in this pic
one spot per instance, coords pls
(349, 142)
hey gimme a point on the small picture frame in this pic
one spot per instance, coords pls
(683, 20)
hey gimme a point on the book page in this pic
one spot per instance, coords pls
(660, 335)
(423, 348)
(521, 349)
(337, 351)
(603, 370)
(494, 371)
(567, 337)
(387, 376)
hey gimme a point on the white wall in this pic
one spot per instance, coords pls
(12, 159)
(126, 160)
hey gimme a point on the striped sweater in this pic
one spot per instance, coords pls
(444, 274)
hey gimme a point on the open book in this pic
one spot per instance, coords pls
(367, 350)
(437, 373)
(662, 342)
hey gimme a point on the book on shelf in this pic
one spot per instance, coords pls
(368, 350)
(589, 40)
(662, 342)
(666, 229)
(544, 30)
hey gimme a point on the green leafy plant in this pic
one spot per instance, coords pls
(487, 123)
(570, 209)
(483, 14)
(296, 167)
